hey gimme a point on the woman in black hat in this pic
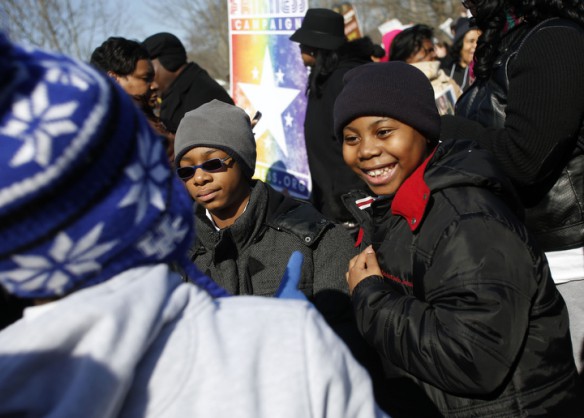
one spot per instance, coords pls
(325, 50)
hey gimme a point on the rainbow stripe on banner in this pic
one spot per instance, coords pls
(267, 75)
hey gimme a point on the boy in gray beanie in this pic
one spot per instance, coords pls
(246, 230)
(449, 287)
(216, 125)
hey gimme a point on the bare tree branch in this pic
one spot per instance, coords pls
(72, 26)
(67, 26)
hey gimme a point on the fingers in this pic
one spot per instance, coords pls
(366, 257)
(353, 261)
(361, 266)
(370, 258)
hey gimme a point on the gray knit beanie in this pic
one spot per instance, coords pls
(218, 125)
(393, 89)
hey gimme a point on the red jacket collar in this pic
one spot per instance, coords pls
(412, 197)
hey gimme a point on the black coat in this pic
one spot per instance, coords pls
(250, 257)
(466, 308)
(191, 89)
(530, 115)
(331, 178)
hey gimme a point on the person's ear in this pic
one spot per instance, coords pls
(113, 75)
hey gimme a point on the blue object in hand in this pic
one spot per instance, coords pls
(289, 286)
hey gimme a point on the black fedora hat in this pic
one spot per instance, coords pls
(321, 28)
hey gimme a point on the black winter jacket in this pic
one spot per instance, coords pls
(250, 257)
(466, 306)
(191, 89)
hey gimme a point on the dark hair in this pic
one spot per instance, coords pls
(326, 61)
(118, 55)
(456, 50)
(368, 47)
(378, 51)
(491, 17)
(409, 41)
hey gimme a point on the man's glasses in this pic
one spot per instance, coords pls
(209, 166)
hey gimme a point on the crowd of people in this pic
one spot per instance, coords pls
(436, 271)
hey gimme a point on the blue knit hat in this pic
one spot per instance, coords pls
(85, 188)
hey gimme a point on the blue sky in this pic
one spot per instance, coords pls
(138, 21)
(141, 22)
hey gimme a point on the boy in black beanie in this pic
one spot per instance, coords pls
(449, 287)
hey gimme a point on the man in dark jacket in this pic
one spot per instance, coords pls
(450, 287)
(183, 86)
(324, 48)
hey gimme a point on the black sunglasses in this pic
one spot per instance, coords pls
(209, 166)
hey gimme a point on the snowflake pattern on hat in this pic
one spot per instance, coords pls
(85, 188)
(64, 260)
(35, 123)
(44, 118)
(148, 175)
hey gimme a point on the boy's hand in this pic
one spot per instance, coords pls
(362, 266)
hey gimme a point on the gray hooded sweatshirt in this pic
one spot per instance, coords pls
(146, 344)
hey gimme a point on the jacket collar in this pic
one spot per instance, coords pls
(409, 202)
(183, 81)
(244, 230)
(412, 197)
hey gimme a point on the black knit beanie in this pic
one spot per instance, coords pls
(168, 49)
(393, 89)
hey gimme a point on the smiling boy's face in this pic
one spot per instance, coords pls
(383, 152)
(224, 193)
